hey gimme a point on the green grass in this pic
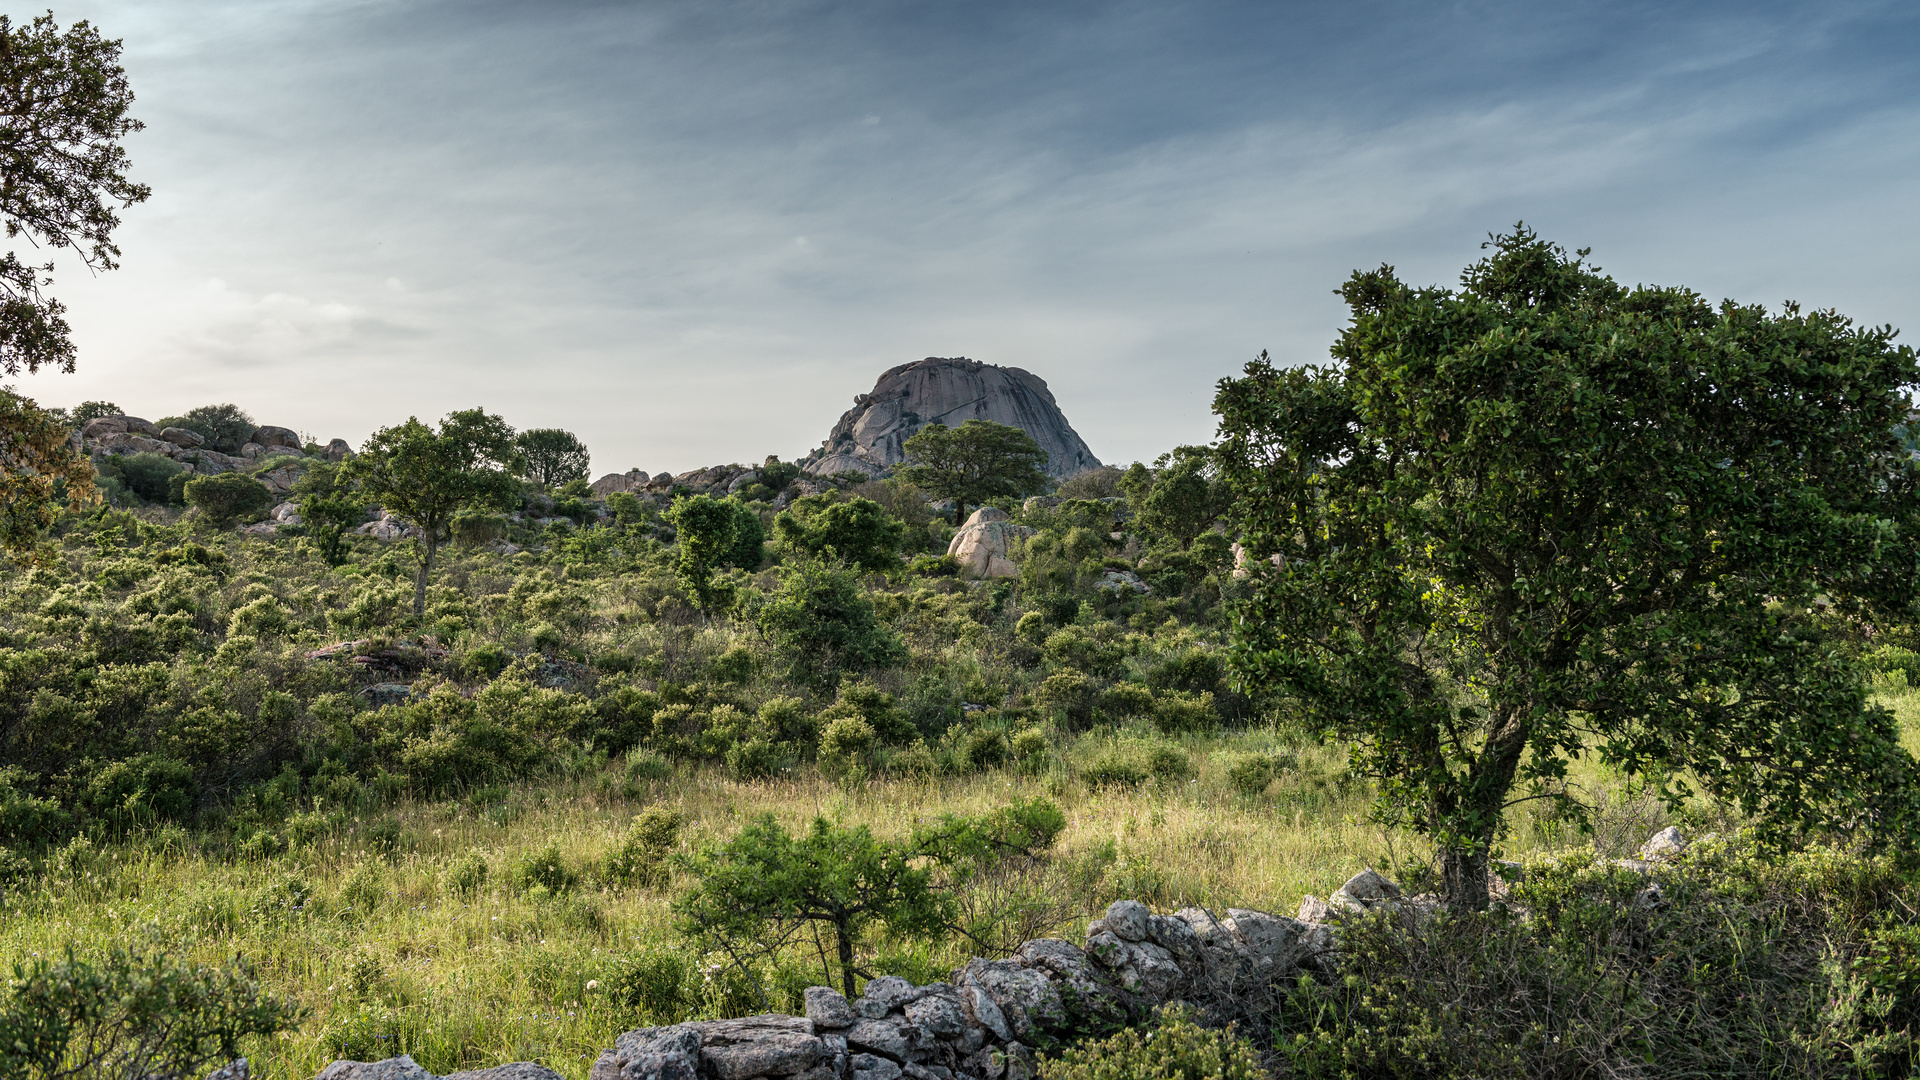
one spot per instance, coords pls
(389, 945)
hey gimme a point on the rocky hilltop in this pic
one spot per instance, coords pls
(869, 438)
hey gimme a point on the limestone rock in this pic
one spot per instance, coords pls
(1365, 891)
(1664, 844)
(827, 1008)
(519, 1070)
(870, 437)
(983, 546)
(1026, 999)
(766, 1045)
(1127, 920)
(393, 1068)
(892, 1037)
(671, 1053)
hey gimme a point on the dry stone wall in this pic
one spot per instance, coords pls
(991, 1018)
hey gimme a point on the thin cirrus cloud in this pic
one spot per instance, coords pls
(691, 232)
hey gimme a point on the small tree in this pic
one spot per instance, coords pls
(330, 506)
(766, 880)
(821, 623)
(749, 536)
(428, 476)
(225, 427)
(764, 885)
(977, 461)
(703, 530)
(553, 457)
(1546, 515)
(65, 97)
(1180, 501)
(40, 471)
(227, 498)
(859, 531)
(89, 411)
(128, 1014)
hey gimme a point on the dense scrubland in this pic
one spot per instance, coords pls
(466, 871)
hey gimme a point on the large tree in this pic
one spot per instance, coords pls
(428, 476)
(553, 456)
(977, 461)
(1545, 515)
(63, 174)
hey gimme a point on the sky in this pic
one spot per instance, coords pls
(691, 232)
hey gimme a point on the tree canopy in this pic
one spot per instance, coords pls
(63, 174)
(859, 531)
(428, 476)
(553, 457)
(977, 461)
(226, 427)
(1545, 515)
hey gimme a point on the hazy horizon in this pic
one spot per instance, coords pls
(691, 233)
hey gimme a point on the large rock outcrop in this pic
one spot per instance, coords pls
(869, 438)
(984, 545)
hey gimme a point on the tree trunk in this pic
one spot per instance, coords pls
(1463, 878)
(845, 935)
(420, 582)
(1477, 813)
(959, 513)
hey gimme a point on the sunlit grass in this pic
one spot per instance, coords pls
(501, 974)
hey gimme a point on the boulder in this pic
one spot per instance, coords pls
(102, 426)
(871, 437)
(338, 450)
(181, 437)
(270, 436)
(252, 450)
(280, 480)
(827, 1008)
(983, 544)
(393, 1068)
(1665, 844)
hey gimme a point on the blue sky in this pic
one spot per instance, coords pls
(691, 232)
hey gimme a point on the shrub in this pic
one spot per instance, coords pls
(1179, 713)
(655, 985)
(485, 661)
(1251, 775)
(228, 497)
(1030, 743)
(1067, 694)
(545, 872)
(146, 474)
(130, 1014)
(847, 741)
(1175, 1048)
(1127, 699)
(641, 858)
(757, 759)
(822, 624)
(468, 874)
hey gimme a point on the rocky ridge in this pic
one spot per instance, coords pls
(870, 437)
(111, 436)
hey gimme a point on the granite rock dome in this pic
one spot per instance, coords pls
(951, 390)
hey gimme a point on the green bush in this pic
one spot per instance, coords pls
(1068, 695)
(654, 985)
(1252, 774)
(225, 427)
(544, 872)
(128, 1014)
(1178, 713)
(146, 474)
(1174, 1048)
(468, 874)
(642, 857)
(1745, 962)
(228, 497)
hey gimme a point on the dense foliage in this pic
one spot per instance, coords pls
(66, 100)
(1545, 515)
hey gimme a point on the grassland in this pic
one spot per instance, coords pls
(371, 929)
